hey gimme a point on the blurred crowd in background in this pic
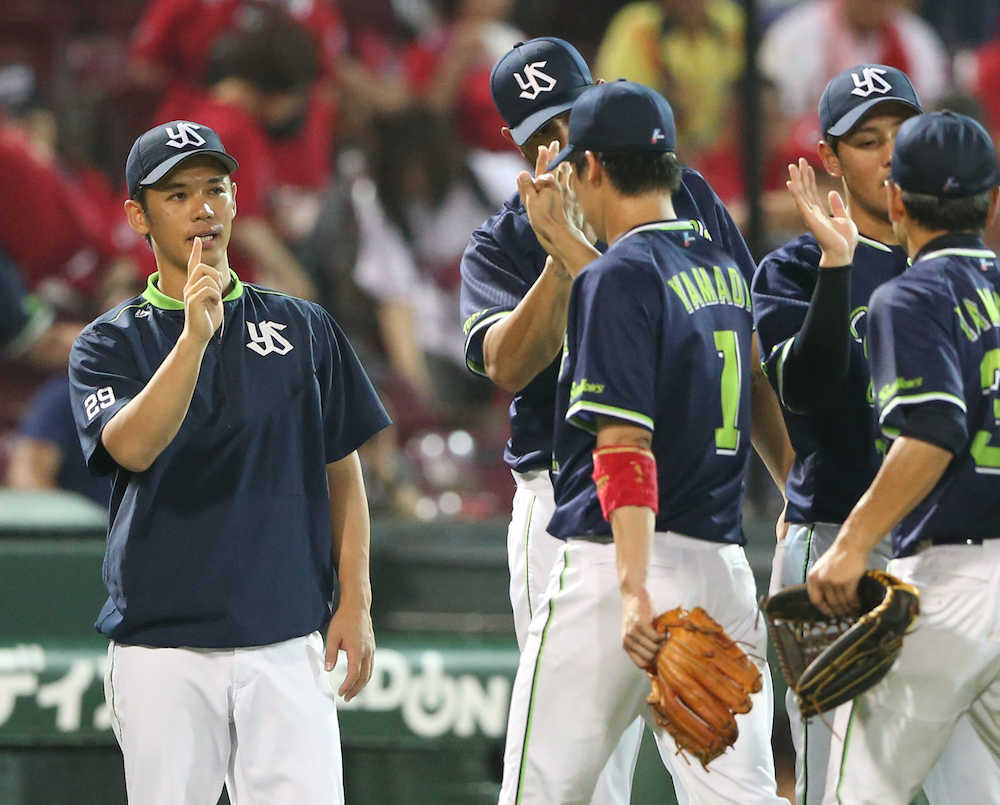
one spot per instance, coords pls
(369, 150)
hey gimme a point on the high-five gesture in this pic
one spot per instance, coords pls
(202, 296)
(834, 230)
(550, 203)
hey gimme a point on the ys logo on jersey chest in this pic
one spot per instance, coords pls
(266, 337)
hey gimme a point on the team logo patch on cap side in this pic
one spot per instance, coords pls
(530, 86)
(186, 134)
(870, 81)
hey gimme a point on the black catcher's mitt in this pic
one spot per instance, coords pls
(828, 660)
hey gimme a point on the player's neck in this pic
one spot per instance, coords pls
(870, 225)
(627, 212)
(916, 237)
(172, 278)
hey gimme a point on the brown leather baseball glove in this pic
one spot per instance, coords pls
(701, 679)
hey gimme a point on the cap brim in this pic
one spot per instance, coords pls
(533, 122)
(161, 170)
(561, 156)
(850, 120)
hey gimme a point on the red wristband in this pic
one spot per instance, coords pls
(625, 476)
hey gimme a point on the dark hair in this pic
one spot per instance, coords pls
(418, 135)
(967, 214)
(633, 174)
(275, 54)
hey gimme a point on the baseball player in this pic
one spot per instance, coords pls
(229, 416)
(810, 301)
(934, 350)
(653, 389)
(514, 299)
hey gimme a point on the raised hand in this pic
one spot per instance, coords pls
(835, 232)
(202, 296)
(550, 205)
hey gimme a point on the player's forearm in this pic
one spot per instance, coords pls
(350, 531)
(910, 471)
(767, 430)
(573, 251)
(523, 343)
(277, 265)
(143, 428)
(632, 528)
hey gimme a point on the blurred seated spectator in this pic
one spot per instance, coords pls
(423, 195)
(691, 51)
(45, 452)
(449, 66)
(259, 80)
(171, 55)
(28, 330)
(813, 41)
(724, 164)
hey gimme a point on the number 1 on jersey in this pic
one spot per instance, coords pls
(727, 438)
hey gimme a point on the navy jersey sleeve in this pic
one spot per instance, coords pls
(103, 379)
(501, 262)
(614, 331)
(352, 411)
(913, 357)
(781, 290)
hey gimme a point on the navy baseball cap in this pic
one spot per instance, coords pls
(161, 149)
(620, 117)
(944, 154)
(535, 81)
(852, 93)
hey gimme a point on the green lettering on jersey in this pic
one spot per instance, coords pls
(976, 315)
(692, 292)
(991, 304)
(969, 333)
(722, 286)
(741, 295)
(584, 386)
(705, 285)
(675, 283)
(889, 390)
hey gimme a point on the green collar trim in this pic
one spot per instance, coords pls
(874, 244)
(157, 298)
(668, 226)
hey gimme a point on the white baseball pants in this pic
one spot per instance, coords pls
(576, 689)
(531, 554)
(888, 739)
(262, 720)
(794, 557)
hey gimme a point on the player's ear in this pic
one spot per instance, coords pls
(594, 168)
(233, 186)
(505, 133)
(829, 158)
(994, 204)
(894, 201)
(136, 216)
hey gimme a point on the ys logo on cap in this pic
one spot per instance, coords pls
(530, 86)
(186, 134)
(870, 81)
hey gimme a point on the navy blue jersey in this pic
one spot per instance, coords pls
(934, 337)
(501, 263)
(49, 418)
(659, 336)
(225, 540)
(836, 456)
